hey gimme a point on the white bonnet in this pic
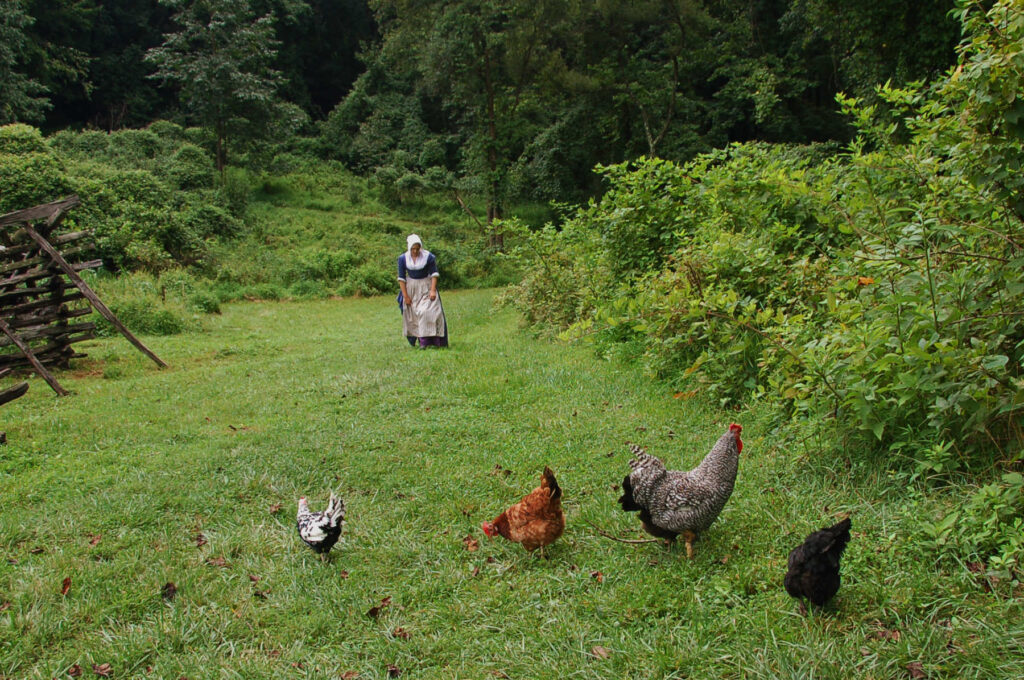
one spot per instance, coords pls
(411, 240)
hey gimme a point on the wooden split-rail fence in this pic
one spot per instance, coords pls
(42, 296)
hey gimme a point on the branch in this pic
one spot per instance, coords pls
(631, 541)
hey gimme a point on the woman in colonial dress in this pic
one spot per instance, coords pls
(422, 315)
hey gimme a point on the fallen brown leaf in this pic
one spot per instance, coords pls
(724, 559)
(4, 606)
(343, 575)
(476, 572)
(401, 633)
(375, 611)
(601, 652)
(394, 671)
(916, 669)
(94, 539)
(273, 653)
(75, 671)
(217, 562)
(882, 633)
(200, 540)
(169, 591)
(471, 543)
(102, 670)
(499, 674)
(261, 594)
(349, 675)
(597, 576)
(37, 550)
(254, 578)
(274, 509)
(65, 586)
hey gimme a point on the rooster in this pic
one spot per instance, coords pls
(814, 565)
(536, 521)
(321, 530)
(674, 502)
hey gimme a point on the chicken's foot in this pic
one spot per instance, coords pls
(689, 537)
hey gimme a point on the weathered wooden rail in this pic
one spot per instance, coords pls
(41, 293)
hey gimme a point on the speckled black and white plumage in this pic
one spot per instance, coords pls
(676, 501)
(321, 530)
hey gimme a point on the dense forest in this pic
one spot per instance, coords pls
(813, 205)
(523, 98)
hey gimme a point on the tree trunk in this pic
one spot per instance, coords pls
(497, 239)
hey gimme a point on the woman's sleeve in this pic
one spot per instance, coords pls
(432, 266)
(401, 267)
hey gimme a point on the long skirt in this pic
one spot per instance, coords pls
(423, 318)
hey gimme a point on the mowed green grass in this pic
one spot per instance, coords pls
(113, 486)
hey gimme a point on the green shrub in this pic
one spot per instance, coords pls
(227, 291)
(205, 302)
(20, 139)
(191, 168)
(167, 130)
(143, 317)
(264, 291)
(236, 190)
(321, 264)
(304, 290)
(85, 145)
(371, 279)
(30, 174)
(135, 145)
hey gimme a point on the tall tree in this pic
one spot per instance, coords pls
(488, 62)
(222, 61)
(20, 98)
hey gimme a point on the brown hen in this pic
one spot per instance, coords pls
(536, 521)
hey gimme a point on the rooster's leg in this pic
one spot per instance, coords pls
(689, 537)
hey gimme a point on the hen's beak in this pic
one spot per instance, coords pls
(488, 529)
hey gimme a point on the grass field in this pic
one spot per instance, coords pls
(189, 476)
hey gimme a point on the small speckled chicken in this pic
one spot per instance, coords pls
(674, 502)
(321, 530)
(814, 565)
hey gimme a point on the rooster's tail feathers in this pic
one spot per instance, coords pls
(643, 459)
(548, 480)
(336, 510)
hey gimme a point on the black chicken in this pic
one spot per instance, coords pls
(814, 565)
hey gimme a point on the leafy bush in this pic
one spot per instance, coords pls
(20, 139)
(85, 145)
(191, 168)
(167, 130)
(143, 317)
(30, 173)
(135, 145)
(205, 302)
(371, 279)
(321, 264)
